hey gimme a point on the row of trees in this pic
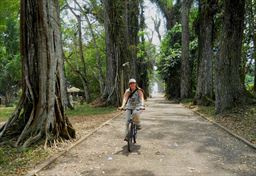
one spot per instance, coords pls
(100, 45)
(210, 48)
(104, 44)
(118, 24)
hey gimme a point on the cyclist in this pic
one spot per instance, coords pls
(133, 101)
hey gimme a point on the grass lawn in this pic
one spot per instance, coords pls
(15, 161)
(80, 110)
(86, 110)
(5, 113)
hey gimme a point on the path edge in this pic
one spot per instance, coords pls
(53, 158)
(253, 146)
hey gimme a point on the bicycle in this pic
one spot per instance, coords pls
(132, 131)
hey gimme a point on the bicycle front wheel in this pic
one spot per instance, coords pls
(134, 133)
(130, 137)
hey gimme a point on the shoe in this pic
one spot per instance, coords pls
(138, 127)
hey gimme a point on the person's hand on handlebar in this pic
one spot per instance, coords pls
(121, 108)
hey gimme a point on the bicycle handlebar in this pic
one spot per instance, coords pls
(124, 109)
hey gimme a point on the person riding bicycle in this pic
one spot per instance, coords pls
(133, 101)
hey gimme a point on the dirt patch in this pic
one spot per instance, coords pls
(84, 124)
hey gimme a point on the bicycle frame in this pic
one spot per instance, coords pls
(132, 131)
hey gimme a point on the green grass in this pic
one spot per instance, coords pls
(208, 110)
(85, 110)
(186, 101)
(80, 110)
(15, 161)
(5, 113)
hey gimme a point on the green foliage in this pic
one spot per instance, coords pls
(170, 53)
(5, 113)
(8, 9)
(90, 58)
(249, 82)
(10, 64)
(71, 50)
(80, 110)
(167, 3)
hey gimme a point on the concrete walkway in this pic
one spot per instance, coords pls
(174, 141)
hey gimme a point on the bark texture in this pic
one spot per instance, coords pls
(133, 29)
(204, 90)
(117, 50)
(229, 90)
(40, 111)
(185, 85)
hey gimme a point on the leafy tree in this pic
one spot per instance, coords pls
(169, 61)
(229, 88)
(9, 60)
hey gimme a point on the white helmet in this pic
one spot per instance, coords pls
(132, 81)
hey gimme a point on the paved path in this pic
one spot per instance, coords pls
(174, 141)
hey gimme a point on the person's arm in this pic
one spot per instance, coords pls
(141, 95)
(126, 95)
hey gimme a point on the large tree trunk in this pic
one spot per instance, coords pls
(172, 91)
(204, 90)
(229, 89)
(116, 46)
(133, 29)
(40, 111)
(185, 85)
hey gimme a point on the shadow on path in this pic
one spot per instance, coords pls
(135, 150)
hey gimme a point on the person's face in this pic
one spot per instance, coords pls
(132, 85)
